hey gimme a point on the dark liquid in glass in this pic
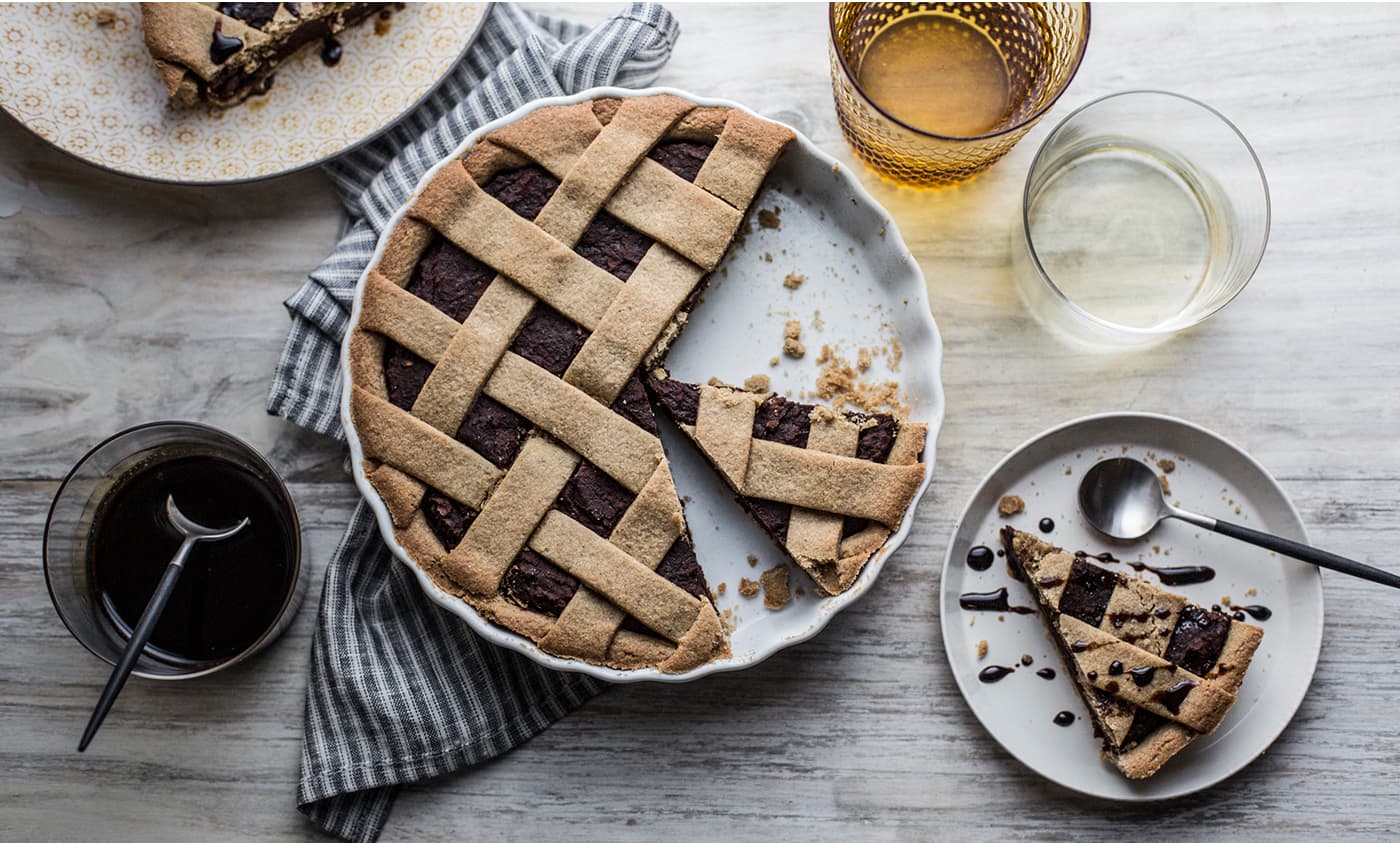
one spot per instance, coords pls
(231, 591)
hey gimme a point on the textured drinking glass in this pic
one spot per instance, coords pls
(931, 94)
(69, 531)
(1144, 213)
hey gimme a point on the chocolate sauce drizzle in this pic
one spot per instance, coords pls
(1046, 673)
(1142, 676)
(1115, 668)
(994, 673)
(980, 558)
(1047, 525)
(331, 51)
(223, 47)
(1172, 698)
(1178, 574)
(1064, 718)
(991, 601)
(1259, 613)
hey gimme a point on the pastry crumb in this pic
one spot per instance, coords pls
(981, 649)
(1167, 466)
(1068, 470)
(793, 280)
(792, 335)
(753, 561)
(863, 359)
(840, 383)
(757, 383)
(1225, 600)
(720, 589)
(800, 591)
(105, 17)
(767, 257)
(1009, 505)
(770, 219)
(817, 323)
(1166, 487)
(748, 587)
(1253, 592)
(776, 593)
(772, 361)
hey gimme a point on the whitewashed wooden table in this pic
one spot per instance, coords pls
(122, 302)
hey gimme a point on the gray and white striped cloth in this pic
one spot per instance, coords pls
(401, 691)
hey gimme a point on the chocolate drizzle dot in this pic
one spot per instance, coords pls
(994, 673)
(1115, 668)
(1172, 698)
(1064, 718)
(1142, 676)
(1046, 673)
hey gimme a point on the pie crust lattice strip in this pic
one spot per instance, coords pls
(495, 384)
(1155, 670)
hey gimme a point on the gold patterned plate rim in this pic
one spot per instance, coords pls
(91, 91)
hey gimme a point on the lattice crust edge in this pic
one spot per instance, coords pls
(597, 150)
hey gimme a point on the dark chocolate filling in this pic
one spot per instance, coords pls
(1198, 639)
(1087, 592)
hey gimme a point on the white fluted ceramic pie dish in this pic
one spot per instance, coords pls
(863, 290)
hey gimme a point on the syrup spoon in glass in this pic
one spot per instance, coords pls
(1123, 499)
(193, 533)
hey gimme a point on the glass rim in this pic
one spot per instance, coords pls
(280, 486)
(1028, 120)
(1060, 294)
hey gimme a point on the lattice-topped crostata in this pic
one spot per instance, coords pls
(829, 487)
(223, 53)
(498, 362)
(1155, 671)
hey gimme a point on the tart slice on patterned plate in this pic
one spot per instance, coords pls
(496, 369)
(829, 487)
(223, 53)
(1155, 671)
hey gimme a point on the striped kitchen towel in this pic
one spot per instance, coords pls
(401, 691)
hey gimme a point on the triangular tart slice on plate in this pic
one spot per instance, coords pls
(1155, 670)
(828, 486)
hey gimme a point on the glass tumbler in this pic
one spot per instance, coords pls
(931, 94)
(69, 532)
(1144, 213)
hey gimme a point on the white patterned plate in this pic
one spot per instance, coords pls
(92, 91)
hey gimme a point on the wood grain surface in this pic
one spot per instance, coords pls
(122, 302)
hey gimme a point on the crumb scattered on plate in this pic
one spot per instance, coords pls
(1010, 505)
(720, 589)
(747, 587)
(1167, 466)
(981, 649)
(793, 280)
(1166, 487)
(770, 219)
(753, 561)
(776, 592)
(792, 335)
(757, 383)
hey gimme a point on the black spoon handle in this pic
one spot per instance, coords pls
(137, 643)
(1307, 553)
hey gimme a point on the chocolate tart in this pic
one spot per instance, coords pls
(828, 486)
(222, 53)
(1155, 670)
(496, 369)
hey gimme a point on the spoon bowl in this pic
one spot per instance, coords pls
(1122, 498)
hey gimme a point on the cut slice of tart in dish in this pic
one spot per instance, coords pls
(828, 486)
(1155, 670)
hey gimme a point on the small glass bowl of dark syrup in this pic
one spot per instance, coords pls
(108, 540)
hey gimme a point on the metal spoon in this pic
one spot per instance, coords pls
(1122, 499)
(193, 533)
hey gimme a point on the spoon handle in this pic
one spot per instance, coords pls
(137, 643)
(1298, 550)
